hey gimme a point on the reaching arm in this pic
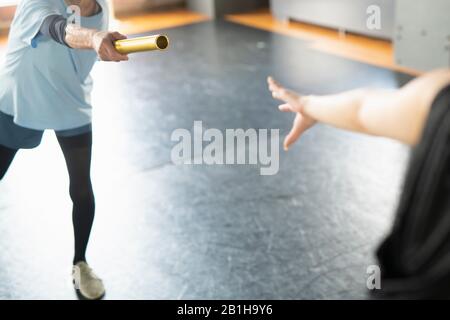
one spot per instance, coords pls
(398, 114)
(402, 114)
(57, 28)
(100, 41)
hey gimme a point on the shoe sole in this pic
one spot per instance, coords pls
(81, 296)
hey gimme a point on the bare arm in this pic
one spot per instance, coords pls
(100, 41)
(398, 114)
(402, 114)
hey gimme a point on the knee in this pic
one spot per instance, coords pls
(82, 194)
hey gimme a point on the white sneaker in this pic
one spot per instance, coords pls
(88, 284)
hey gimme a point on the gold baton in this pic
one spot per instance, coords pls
(157, 42)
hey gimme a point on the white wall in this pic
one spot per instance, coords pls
(125, 6)
(349, 15)
(422, 34)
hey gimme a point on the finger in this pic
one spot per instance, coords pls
(103, 55)
(119, 56)
(297, 129)
(281, 93)
(110, 53)
(286, 96)
(115, 55)
(112, 56)
(271, 81)
(273, 85)
(122, 57)
(118, 36)
(276, 88)
(285, 108)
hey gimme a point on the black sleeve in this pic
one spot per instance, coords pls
(54, 27)
(414, 258)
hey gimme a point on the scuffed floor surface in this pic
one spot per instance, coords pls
(208, 232)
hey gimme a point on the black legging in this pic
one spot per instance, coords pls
(77, 152)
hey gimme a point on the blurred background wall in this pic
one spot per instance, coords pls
(218, 8)
(348, 15)
(420, 41)
(212, 8)
(131, 6)
(422, 34)
(7, 9)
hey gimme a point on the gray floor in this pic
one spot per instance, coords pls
(200, 232)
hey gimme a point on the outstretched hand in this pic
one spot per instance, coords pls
(103, 43)
(293, 102)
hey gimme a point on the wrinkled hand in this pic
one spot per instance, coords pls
(103, 43)
(292, 103)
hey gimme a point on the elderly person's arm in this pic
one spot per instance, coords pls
(100, 41)
(73, 36)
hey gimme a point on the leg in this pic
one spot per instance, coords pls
(77, 153)
(6, 157)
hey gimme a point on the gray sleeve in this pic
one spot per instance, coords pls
(54, 27)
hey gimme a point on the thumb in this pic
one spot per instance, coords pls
(298, 128)
(118, 36)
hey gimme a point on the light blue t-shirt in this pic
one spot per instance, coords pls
(46, 85)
